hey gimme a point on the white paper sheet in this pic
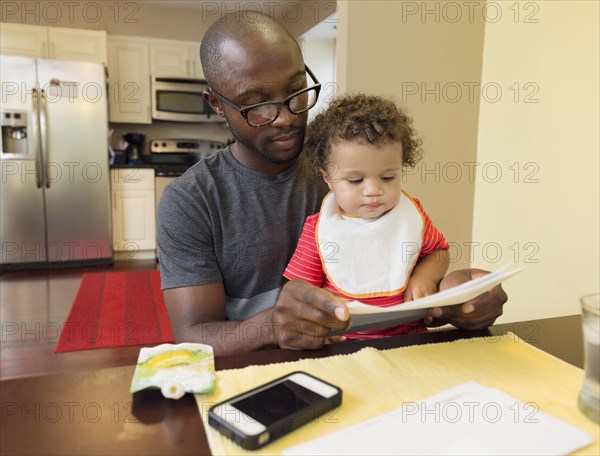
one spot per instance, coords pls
(469, 419)
(452, 296)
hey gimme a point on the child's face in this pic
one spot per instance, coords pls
(365, 179)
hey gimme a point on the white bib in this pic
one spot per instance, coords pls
(369, 258)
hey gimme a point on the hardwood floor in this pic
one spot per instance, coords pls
(34, 305)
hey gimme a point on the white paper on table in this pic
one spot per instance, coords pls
(451, 296)
(469, 419)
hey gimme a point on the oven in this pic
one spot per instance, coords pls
(172, 157)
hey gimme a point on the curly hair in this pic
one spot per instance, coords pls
(365, 118)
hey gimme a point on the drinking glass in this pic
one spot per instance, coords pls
(589, 397)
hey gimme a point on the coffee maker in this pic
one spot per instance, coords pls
(135, 150)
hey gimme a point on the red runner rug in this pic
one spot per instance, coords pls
(116, 309)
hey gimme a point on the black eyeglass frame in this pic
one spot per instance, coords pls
(244, 111)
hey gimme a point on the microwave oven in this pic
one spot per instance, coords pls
(180, 100)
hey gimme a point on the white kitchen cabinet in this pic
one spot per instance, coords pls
(53, 42)
(129, 80)
(133, 213)
(76, 44)
(26, 40)
(175, 59)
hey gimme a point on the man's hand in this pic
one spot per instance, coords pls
(478, 313)
(304, 315)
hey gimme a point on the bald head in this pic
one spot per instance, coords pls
(236, 29)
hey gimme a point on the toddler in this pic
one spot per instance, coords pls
(371, 241)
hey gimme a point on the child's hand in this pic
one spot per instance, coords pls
(419, 286)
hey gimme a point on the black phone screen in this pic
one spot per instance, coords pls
(277, 402)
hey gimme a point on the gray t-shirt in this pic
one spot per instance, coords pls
(222, 222)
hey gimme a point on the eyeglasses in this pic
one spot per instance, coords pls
(261, 114)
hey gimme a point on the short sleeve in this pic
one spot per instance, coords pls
(186, 246)
(433, 239)
(306, 262)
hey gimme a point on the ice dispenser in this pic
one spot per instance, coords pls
(14, 133)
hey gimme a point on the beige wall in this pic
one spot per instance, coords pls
(419, 62)
(543, 210)
(512, 163)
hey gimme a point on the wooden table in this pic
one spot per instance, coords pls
(92, 412)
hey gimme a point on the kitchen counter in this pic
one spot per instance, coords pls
(160, 169)
(133, 165)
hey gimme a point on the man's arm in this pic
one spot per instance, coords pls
(478, 313)
(301, 319)
(197, 314)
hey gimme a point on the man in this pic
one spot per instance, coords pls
(227, 228)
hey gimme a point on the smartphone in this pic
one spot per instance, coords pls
(262, 415)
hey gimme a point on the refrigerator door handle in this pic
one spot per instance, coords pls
(38, 155)
(44, 139)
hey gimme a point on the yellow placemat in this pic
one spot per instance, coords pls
(374, 382)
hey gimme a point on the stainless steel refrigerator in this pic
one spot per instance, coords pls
(55, 186)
